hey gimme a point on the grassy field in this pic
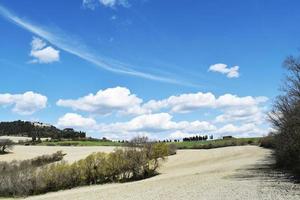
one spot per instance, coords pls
(180, 145)
(81, 143)
(217, 143)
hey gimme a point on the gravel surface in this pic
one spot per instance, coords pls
(73, 153)
(217, 174)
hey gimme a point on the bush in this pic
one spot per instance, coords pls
(46, 159)
(172, 149)
(18, 178)
(37, 176)
(268, 142)
(5, 144)
(285, 118)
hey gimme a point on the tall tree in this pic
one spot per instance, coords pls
(285, 118)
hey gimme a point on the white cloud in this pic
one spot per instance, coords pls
(229, 100)
(24, 104)
(152, 124)
(121, 101)
(183, 103)
(245, 130)
(41, 53)
(232, 113)
(190, 102)
(118, 99)
(252, 114)
(73, 120)
(158, 126)
(180, 135)
(92, 4)
(232, 72)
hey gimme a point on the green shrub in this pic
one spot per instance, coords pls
(37, 176)
(19, 178)
(46, 159)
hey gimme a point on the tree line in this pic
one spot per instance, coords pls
(38, 131)
(197, 138)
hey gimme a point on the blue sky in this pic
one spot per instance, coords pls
(165, 69)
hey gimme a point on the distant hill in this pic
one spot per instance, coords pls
(37, 130)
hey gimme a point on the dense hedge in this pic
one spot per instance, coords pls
(35, 177)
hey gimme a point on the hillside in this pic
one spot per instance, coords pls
(223, 173)
(37, 130)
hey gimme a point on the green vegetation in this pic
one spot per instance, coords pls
(217, 143)
(173, 145)
(37, 131)
(80, 143)
(37, 176)
(285, 118)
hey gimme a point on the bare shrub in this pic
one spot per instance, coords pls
(38, 176)
(5, 144)
(19, 178)
(172, 149)
(268, 141)
(285, 118)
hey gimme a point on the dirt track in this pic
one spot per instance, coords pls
(225, 173)
(73, 153)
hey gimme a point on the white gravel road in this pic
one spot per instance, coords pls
(216, 174)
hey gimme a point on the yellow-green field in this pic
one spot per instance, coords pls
(180, 145)
(217, 143)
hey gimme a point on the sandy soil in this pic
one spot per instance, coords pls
(19, 138)
(73, 153)
(217, 174)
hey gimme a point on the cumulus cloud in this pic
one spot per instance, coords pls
(180, 135)
(24, 104)
(118, 99)
(150, 125)
(153, 124)
(43, 53)
(252, 114)
(245, 130)
(185, 103)
(232, 72)
(154, 117)
(159, 126)
(92, 4)
(76, 121)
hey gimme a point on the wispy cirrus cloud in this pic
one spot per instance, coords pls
(65, 42)
(92, 4)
